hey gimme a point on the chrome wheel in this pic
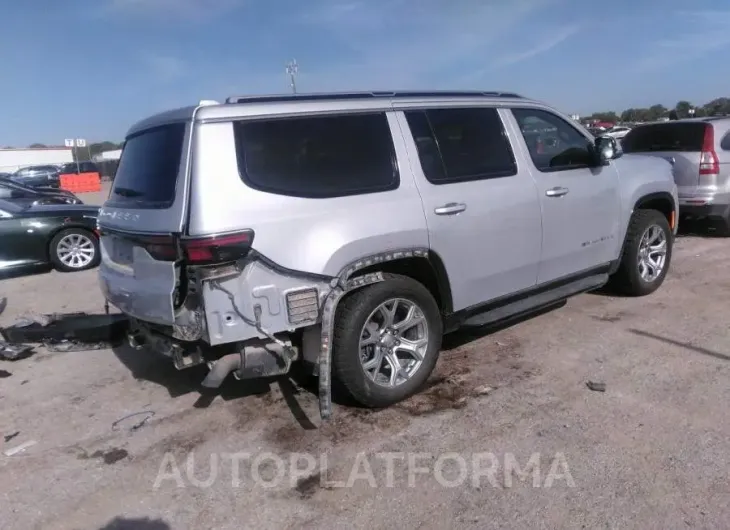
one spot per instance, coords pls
(393, 342)
(652, 253)
(76, 251)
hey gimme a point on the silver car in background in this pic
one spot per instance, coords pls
(699, 151)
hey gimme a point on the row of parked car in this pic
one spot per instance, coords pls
(350, 231)
(49, 175)
(43, 226)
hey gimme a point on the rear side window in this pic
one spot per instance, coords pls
(319, 156)
(687, 137)
(148, 168)
(725, 143)
(459, 145)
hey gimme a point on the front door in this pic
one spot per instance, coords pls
(16, 245)
(580, 202)
(481, 206)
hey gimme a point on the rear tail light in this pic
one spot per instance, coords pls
(198, 251)
(217, 249)
(161, 248)
(709, 163)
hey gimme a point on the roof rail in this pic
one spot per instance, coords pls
(320, 96)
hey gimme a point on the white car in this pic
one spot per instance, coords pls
(617, 132)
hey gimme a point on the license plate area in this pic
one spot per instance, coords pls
(122, 251)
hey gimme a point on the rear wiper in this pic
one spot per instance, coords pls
(127, 192)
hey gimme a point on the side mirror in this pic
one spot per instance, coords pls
(606, 148)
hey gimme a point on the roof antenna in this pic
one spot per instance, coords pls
(292, 68)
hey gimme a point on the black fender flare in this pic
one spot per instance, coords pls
(659, 195)
(344, 283)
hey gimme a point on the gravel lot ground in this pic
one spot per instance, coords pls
(649, 452)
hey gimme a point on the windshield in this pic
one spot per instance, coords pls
(10, 184)
(11, 207)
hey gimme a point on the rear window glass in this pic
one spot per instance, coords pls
(665, 137)
(148, 168)
(319, 156)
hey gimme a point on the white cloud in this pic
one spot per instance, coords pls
(402, 43)
(164, 68)
(190, 9)
(550, 42)
(706, 32)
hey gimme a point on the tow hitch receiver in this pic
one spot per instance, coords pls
(186, 358)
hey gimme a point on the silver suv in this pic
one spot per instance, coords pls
(699, 151)
(350, 231)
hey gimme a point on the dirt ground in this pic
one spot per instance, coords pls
(652, 451)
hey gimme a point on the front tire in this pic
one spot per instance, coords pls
(646, 255)
(74, 249)
(386, 341)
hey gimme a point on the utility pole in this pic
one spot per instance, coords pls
(292, 68)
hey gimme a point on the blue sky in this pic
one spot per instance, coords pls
(90, 68)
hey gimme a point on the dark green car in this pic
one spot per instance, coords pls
(40, 238)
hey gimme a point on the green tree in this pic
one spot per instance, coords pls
(717, 106)
(36, 146)
(604, 116)
(682, 108)
(657, 111)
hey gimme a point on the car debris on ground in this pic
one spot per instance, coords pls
(19, 448)
(14, 352)
(62, 333)
(596, 386)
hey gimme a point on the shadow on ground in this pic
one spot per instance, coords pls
(300, 386)
(685, 345)
(699, 228)
(122, 523)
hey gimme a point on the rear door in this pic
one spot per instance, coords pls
(144, 213)
(678, 142)
(481, 206)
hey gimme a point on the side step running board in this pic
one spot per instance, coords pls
(537, 301)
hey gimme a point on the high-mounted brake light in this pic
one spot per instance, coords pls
(709, 163)
(217, 249)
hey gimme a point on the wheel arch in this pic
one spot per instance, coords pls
(661, 201)
(426, 268)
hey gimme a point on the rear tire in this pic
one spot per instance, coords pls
(644, 264)
(73, 250)
(394, 321)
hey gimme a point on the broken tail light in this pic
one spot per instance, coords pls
(207, 250)
(217, 249)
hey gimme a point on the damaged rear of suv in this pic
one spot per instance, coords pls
(228, 239)
(333, 229)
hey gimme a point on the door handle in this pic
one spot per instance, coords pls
(557, 192)
(450, 208)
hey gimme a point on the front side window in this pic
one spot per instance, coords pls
(317, 156)
(461, 144)
(553, 144)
